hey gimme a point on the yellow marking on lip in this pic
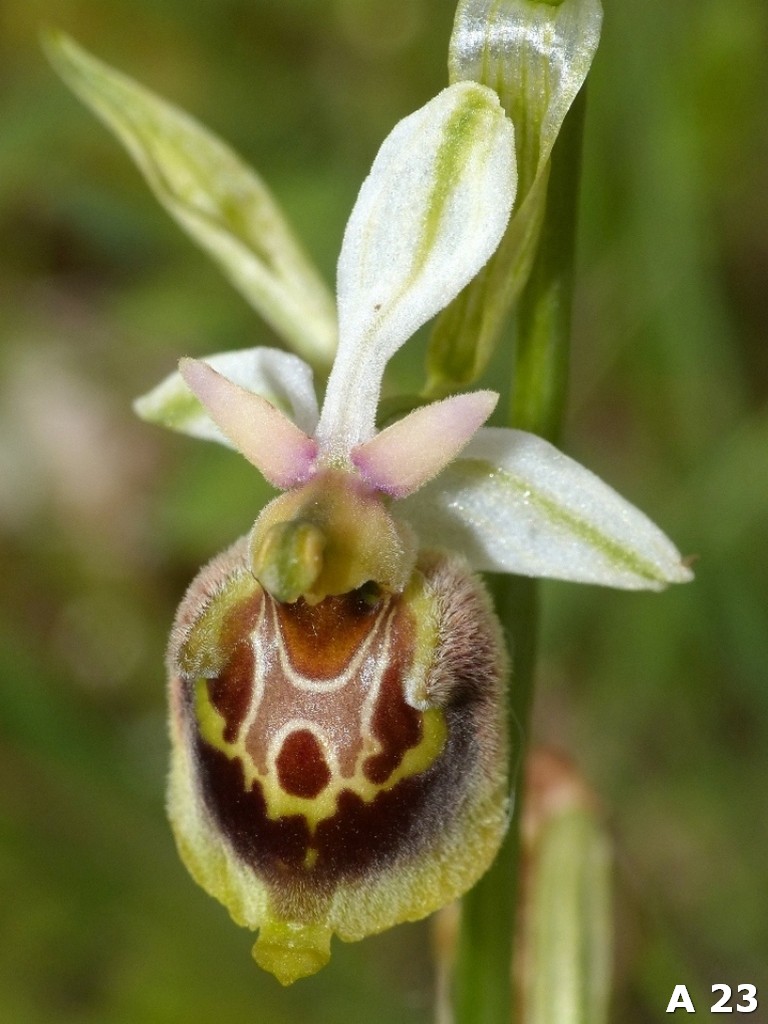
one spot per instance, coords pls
(415, 760)
(310, 858)
(318, 809)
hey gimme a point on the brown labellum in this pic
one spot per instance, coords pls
(338, 766)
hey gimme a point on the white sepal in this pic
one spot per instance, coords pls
(411, 451)
(272, 442)
(283, 379)
(514, 503)
(427, 218)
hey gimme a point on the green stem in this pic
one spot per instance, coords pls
(544, 311)
(482, 973)
(483, 976)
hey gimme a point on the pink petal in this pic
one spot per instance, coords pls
(271, 441)
(410, 452)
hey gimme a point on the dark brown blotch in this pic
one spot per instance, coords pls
(361, 837)
(277, 848)
(301, 765)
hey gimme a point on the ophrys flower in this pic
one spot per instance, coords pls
(337, 713)
(336, 677)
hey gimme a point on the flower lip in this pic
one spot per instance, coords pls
(401, 704)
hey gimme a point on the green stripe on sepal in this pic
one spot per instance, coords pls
(218, 200)
(469, 129)
(620, 557)
(514, 503)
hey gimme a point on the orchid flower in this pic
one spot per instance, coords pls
(362, 573)
(337, 676)
(339, 755)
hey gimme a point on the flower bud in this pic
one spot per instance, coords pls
(563, 947)
(338, 766)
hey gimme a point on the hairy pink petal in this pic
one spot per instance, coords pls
(269, 440)
(410, 452)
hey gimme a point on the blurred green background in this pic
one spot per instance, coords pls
(663, 700)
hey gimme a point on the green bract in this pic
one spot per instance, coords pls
(218, 200)
(536, 56)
